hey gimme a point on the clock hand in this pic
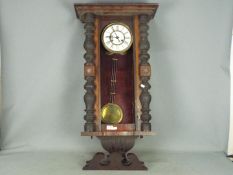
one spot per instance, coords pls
(114, 31)
(117, 37)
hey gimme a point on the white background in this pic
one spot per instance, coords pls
(42, 70)
(230, 142)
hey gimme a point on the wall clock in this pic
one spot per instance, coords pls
(117, 74)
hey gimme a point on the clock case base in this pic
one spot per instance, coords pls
(114, 161)
(117, 144)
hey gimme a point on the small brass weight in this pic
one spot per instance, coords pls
(111, 113)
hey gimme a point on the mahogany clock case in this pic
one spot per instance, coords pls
(133, 66)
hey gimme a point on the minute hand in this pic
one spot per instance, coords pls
(117, 37)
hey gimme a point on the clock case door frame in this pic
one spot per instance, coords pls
(130, 124)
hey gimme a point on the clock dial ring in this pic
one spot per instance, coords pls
(120, 38)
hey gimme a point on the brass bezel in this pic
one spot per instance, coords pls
(110, 50)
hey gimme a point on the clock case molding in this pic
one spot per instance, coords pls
(135, 67)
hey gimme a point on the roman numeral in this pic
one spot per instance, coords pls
(125, 42)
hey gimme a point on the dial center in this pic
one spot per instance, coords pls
(117, 37)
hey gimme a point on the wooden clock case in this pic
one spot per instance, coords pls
(132, 82)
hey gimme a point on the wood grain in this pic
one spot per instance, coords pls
(89, 70)
(119, 133)
(120, 127)
(89, 56)
(145, 96)
(137, 90)
(115, 9)
(145, 71)
(97, 75)
(114, 161)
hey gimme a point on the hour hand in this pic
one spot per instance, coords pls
(117, 37)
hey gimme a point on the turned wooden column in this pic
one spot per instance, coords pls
(89, 72)
(145, 72)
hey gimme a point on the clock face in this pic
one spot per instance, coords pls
(117, 37)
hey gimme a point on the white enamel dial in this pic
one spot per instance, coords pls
(117, 38)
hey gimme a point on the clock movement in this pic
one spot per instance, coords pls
(117, 74)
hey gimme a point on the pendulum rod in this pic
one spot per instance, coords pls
(113, 80)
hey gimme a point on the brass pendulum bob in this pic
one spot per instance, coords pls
(111, 113)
